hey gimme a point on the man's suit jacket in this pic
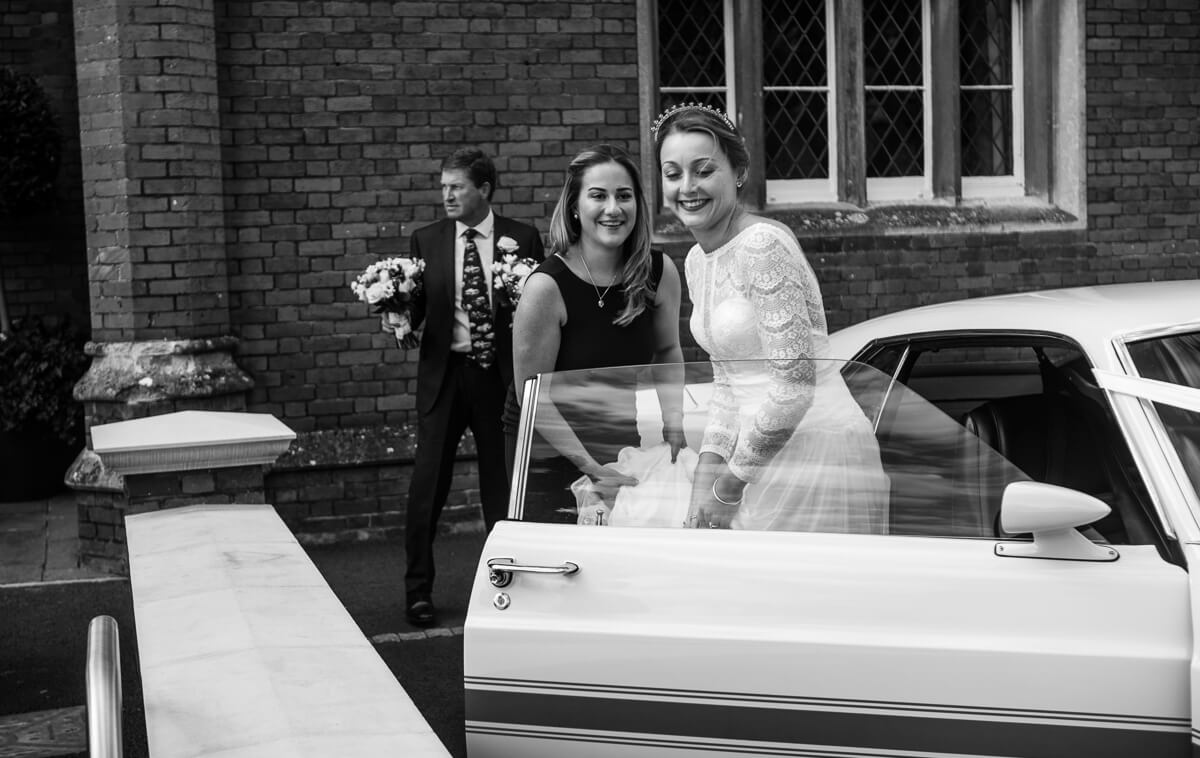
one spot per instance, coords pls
(435, 307)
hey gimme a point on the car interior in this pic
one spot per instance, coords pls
(1030, 399)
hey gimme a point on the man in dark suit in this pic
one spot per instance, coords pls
(461, 378)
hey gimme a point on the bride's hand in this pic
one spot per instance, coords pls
(724, 497)
(704, 512)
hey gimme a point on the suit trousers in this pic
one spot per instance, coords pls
(471, 397)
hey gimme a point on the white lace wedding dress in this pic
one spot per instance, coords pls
(785, 422)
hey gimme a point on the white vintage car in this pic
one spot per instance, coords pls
(1032, 595)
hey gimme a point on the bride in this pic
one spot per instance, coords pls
(786, 447)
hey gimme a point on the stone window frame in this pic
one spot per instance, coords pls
(1052, 98)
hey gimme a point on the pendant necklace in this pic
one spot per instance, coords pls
(599, 295)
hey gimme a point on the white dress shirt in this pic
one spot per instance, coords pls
(485, 243)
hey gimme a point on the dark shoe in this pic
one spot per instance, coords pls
(421, 613)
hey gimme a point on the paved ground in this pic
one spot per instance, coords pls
(48, 599)
(39, 542)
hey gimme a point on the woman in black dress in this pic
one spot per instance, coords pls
(602, 299)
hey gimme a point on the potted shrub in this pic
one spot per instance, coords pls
(30, 153)
(41, 423)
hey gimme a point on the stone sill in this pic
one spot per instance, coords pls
(901, 219)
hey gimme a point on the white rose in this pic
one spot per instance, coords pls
(379, 291)
(522, 270)
(507, 245)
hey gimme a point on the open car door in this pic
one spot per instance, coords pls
(1163, 413)
(585, 638)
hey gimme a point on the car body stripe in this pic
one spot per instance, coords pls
(843, 704)
(677, 744)
(919, 732)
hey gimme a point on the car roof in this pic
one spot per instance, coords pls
(1091, 316)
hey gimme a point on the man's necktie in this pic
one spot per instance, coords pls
(476, 303)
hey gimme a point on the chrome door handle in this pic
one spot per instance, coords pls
(501, 570)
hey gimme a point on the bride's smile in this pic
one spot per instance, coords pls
(699, 185)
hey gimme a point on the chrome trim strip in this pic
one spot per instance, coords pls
(516, 495)
(895, 379)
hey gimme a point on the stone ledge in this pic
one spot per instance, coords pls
(190, 440)
(900, 219)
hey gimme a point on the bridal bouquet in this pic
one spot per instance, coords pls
(390, 285)
(509, 275)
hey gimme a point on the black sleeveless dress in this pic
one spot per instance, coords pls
(589, 340)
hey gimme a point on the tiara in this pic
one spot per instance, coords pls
(675, 110)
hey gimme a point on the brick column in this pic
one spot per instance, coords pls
(154, 217)
(148, 118)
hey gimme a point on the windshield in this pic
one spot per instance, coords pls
(1175, 359)
(845, 449)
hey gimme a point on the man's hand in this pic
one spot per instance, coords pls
(400, 326)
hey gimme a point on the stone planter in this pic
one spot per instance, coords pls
(31, 467)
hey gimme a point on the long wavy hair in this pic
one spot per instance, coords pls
(565, 227)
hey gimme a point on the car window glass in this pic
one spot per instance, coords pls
(1174, 359)
(1183, 429)
(1036, 402)
(904, 466)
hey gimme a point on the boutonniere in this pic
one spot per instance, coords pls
(507, 246)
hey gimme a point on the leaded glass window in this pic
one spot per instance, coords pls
(692, 65)
(796, 89)
(986, 87)
(893, 71)
(870, 102)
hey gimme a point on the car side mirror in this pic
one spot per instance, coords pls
(1051, 514)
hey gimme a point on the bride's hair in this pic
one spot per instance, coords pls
(697, 118)
(565, 227)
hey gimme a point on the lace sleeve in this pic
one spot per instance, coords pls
(783, 290)
(720, 434)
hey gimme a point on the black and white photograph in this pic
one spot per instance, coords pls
(599, 378)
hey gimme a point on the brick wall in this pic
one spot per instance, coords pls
(1143, 162)
(44, 268)
(336, 116)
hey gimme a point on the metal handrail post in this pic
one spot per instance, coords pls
(104, 689)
